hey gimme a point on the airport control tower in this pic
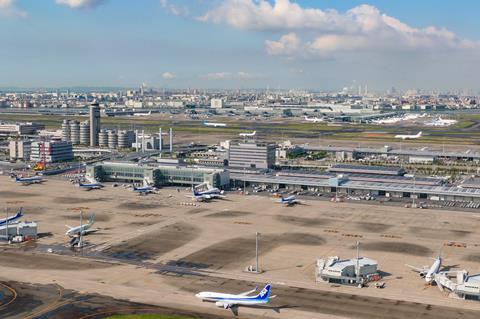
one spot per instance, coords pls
(94, 124)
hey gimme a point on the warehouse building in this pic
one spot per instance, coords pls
(345, 271)
(26, 229)
(20, 128)
(159, 175)
(251, 155)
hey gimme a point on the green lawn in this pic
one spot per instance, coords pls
(147, 316)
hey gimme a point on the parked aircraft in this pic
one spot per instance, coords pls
(314, 119)
(28, 180)
(83, 229)
(12, 219)
(214, 124)
(206, 197)
(289, 201)
(143, 190)
(429, 272)
(248, 134)
(441, 122)
(408, 137)
(231, 301)
(90, 186)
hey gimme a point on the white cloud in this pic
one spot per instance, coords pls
(168, 75)
(81, 4)
(175, 9)
(8, 8)
(316, 32)
(229, 75)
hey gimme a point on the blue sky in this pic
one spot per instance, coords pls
(310, 44)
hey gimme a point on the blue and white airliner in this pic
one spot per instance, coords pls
(229, 301)
(289, 201)
(143, 190)
(12, 219)
(90, 186)
(28, 180)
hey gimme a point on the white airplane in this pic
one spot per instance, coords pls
(248, 134)
(230, 301)
(408, 137)
(314, 119)
(441, 122)
(12, 219)
(289, 201)
(429, 272)
(82, 229)
(142, 114)
(206, 197)
(143, 190)
(28, 180)
(209, 191)
(214, 124)
(90, 186)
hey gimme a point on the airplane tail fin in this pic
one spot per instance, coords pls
(91, 220)
(20, 212)
(420, 133)
(265, 293)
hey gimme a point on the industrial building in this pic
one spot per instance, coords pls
(216, 103)
(158, 175)
(251, 155)
(51, 151)
(20, 150)
(345, 271)
(26, 229)
(26, 128)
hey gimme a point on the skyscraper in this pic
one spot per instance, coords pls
(94, 124)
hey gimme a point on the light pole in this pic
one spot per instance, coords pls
(413, 193)
(256, 252)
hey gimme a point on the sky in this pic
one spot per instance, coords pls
(238, 44)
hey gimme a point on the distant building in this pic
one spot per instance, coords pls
(20, 150)
(51, 151)
(94, 124)
(216, 103)
(20, 128)
(251, 155)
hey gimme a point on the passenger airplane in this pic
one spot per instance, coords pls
(407, 137)
(230, 301)
(142, 114)
(143, 190)
(429, 272)
(82, 229)
(314, 119)
(214, 124)
(209, 191)
(289, 201)
(205, 197)
(28, 180)
(90, 186)
(248, 134)
(13, 218)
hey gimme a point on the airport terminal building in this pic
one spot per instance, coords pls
(159, 175)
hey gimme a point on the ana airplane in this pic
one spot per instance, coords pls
(314, 119)
(289, 201)
(214, 124)
(83, 229)
(248, 134)
(429, 272)
(12, 219)
(90, 186)
(206, 197)
(143, 190)
(230, 301)
(409, 137)
(28, 180)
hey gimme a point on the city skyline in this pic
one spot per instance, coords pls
(229, 44)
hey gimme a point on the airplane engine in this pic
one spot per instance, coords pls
(422, 275)
(221, 304)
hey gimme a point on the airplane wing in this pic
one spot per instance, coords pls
(416, 269)
(88, 231)
(248, 292)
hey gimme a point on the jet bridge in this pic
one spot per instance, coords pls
(459, 283)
